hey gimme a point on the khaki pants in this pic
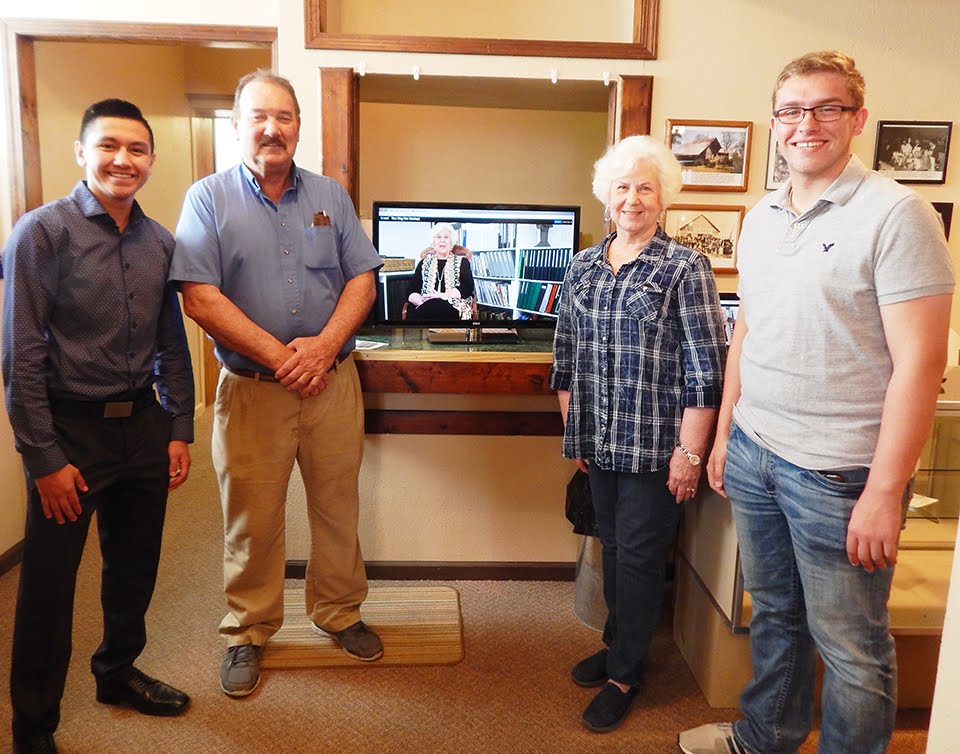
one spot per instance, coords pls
(259, 430)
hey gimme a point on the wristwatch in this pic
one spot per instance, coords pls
(692, 457)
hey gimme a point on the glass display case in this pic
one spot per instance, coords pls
(710, 589)
(938, 473)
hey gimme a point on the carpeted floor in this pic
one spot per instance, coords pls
(510, 693)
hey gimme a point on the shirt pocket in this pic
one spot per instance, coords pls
(320, 247)
(645, 304)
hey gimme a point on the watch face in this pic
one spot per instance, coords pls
(694, 459)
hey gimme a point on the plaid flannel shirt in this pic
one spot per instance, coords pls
(635, 349)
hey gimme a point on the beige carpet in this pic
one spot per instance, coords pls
(419, 625)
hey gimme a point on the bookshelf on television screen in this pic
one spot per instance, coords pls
(516, 255)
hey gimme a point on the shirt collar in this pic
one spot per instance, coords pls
(91, 207)
(838, 192)
(653, 250)
(255, 184)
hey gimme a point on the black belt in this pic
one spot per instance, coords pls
(268, 377)
(132, 403)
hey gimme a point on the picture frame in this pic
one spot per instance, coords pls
(714, 154)
(945, 210)
(713, 230)
(777, 170)
(913, 151)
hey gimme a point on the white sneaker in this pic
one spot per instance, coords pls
(712, 738)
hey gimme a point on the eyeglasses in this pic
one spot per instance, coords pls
(821, 113)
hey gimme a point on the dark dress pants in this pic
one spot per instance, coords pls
(125, 464)
(637, 519)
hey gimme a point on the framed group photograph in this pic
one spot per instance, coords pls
(913, 151)
(711, 230)
(777, 170)
(714, 154)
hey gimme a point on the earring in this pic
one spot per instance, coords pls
(606, 214)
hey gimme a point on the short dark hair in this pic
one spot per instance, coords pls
(113, 108)
(269, 77)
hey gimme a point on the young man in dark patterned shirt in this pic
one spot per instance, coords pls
(90, 328)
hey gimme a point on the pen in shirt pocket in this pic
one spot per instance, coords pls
(320, 219)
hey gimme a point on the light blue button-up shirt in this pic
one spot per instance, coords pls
(280, 267)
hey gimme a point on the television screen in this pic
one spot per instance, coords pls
(472, 264)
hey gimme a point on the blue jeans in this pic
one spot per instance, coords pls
(637, 519)
(792, 529)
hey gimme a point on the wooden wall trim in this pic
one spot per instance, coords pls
(504, 423)
(11, 557)
(477, 377)
(636, 105)
(407, 570)
(340, 128)
(20, 91)
(106, 31)
(643, 47)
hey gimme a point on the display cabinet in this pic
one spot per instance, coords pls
(712, 612)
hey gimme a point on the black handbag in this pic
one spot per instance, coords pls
(579, 507)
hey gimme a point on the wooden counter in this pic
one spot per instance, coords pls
(410, 364)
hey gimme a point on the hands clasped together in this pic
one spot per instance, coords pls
(305, 369)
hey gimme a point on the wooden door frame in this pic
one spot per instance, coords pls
(17, 39)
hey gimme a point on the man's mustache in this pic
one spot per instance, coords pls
(271, 141)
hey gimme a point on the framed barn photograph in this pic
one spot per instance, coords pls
(711, 230)
(777, 170)
(913, 151)
(714, 154)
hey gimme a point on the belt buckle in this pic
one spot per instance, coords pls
(117, 409)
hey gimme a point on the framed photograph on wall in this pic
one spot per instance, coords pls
(945, 210)
(711, 230)
(913, 151)
(714, 154)
(777, 170)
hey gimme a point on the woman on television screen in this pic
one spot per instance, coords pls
(443, 280)
(638, 365)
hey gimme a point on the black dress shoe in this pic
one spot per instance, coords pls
(144, 694)
(608, 708)
(591, 671)
(42, 744)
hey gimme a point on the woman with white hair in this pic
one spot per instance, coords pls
(443, 280)
(638, 362)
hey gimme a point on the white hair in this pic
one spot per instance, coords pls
(454, 236)
(623, 157)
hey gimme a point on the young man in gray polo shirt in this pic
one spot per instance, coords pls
(829, 394)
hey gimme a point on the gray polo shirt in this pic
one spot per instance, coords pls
(815, 365)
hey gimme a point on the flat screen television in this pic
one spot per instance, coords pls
(516, 255)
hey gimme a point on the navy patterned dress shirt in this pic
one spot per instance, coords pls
(88, 315)
(634, 349)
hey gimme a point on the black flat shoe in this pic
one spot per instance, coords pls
(145, 694)
(42, 744)
(608, 708)
(591, 671)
